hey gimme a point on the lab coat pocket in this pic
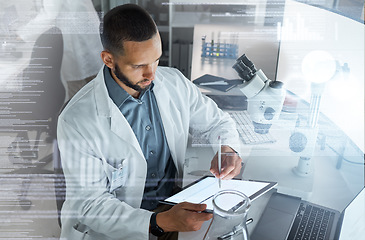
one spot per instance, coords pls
(79, 232)
(119, 176)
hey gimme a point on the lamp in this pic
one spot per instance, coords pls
(318, 67)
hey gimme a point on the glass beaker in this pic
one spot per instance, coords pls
(230, 209)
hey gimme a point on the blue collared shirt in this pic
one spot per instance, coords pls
(144, 118)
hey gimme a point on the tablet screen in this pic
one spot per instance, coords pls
(205, 188)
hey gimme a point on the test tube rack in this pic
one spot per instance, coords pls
(219, 50)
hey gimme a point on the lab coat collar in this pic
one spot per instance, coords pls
(103, 101)
(117, 93)
(105, 107)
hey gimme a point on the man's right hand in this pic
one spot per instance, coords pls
(183, 217)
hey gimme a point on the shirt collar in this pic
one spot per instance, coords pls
(116, 92)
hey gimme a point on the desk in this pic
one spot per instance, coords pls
(329, 185)
(338, 164)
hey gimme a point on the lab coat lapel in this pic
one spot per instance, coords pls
(106, 108)
(120, 126)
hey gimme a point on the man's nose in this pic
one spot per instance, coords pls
(149, 72)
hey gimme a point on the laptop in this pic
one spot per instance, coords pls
(287, 218)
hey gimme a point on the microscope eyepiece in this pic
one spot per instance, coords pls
(243, 71)
(247, 62)
(245, 68)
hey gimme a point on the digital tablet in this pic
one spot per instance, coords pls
(203, 190)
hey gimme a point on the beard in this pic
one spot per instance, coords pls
(127, 82)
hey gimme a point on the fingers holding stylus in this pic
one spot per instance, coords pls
(231, 164)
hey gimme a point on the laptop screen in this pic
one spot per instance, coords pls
(353, 225)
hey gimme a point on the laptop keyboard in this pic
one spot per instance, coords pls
(311, 223)
(246, 129)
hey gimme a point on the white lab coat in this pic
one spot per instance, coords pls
(96, 141)
(79, 24)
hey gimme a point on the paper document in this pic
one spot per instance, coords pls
(214, 83)
(217, 83)
(205, 188)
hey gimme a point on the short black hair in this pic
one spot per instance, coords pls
(128, 22)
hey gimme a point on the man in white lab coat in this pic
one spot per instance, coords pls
(112, 130)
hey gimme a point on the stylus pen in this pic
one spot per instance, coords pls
(219, 160)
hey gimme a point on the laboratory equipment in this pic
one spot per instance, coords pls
(230, 209)
(265, 97)
(219, 49)
(318, 67)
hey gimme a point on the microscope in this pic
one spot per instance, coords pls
(265, 97)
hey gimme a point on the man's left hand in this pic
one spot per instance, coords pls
(231, 164)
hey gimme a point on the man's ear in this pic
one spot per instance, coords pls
(108, 59)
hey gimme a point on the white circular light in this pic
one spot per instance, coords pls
(318, 66)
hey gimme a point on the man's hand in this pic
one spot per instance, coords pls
(231, 164)
(183, 217)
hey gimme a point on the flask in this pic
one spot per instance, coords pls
(230, 209)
